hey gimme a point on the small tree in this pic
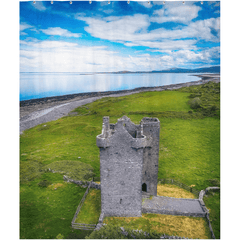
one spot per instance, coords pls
(195, 103)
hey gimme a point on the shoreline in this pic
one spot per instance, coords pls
(31, 105)
(37, 111)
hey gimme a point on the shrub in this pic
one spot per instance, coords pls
(213, 182)
(195, 103)
(213, 108)
(44, 183)
(59, 236)
(193, 95)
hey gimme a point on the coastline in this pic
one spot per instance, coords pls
(37, 111)
(29, 106)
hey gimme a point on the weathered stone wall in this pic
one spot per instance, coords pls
(151, 129)
(201, 195)
(121, 159)
(124, 148)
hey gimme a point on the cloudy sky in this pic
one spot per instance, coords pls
(100, 37)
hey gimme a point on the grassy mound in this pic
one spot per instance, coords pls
(29, 170)
(73, 169)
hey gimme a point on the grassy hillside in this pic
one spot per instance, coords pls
(189, 144)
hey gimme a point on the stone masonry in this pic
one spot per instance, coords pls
(128, 164)
(151, 129)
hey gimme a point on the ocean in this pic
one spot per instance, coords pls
(40, 85)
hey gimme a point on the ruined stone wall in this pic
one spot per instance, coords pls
(151, 129)
(121, 161)
(128, 158)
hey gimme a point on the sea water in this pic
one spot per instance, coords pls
(40, 85)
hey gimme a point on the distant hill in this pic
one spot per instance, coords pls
(214, 69)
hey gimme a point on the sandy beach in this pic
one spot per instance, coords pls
(38, 111)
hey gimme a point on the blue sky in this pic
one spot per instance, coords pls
(102, 37)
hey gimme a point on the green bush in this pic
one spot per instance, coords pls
(213, 108)
(213, 182)
(204, 98)
(44, 183)
(195, 103)
(193, 95)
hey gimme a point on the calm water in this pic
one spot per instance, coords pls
(39, 85)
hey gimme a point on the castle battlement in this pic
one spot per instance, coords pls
(124, 126)
(123, 148)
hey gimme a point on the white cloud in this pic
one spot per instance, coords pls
(178, 45)
(24, 26)
(189, 56)
(60, 32)
(178, 13)
(132, 31)
(47, 44)
(108, 11)
(201, 29)
(116, 28)
(39, 6)
(145, 4)
(60, 56)
(52, 56)
(166, 45)
(55, 56)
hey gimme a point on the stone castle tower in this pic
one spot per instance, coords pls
(128, 164)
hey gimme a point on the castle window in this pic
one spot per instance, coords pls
(144, 187)
(145, 173)
(120, 200)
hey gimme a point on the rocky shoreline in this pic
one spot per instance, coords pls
(29, 106)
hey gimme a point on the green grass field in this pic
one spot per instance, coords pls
(91, 209)
(190, 227)
(47, 210)
(212, 201)
(189, 147)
